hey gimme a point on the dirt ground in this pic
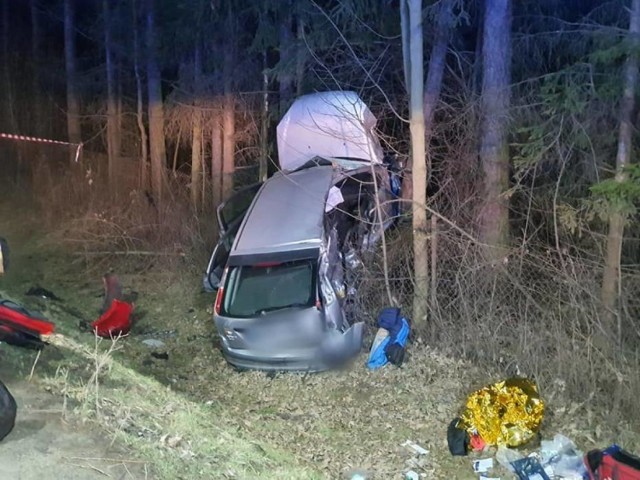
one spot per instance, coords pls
(321, 426)
(43, 445)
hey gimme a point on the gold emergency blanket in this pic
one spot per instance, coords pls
(507, 413)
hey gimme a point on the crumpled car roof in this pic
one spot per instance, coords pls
(327, 124)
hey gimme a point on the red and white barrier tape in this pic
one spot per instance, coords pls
(25, 138)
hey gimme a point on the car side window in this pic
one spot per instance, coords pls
(232, 211)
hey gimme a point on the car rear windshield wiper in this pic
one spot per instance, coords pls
(264, 311)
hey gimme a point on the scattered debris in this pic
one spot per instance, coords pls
(115, 321)
(43, 293)
(483, 465)
(411, 475)
(22, 327)
(415, 447)
(153, 343)
(160, 356)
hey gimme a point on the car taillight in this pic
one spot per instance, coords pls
(218, 303)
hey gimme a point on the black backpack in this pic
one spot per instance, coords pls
(8, 409)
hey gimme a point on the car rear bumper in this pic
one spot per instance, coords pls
(337, 348)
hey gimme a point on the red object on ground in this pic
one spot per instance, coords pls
(16, 317)
(477, 443)
(115, 321)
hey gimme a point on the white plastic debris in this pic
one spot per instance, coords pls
(411, 475)
(482, 465)
(415, 447)
(153, 343)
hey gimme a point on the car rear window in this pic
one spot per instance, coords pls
(267, 287)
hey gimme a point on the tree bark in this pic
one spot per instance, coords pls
(228, 145)
(610, 277)
(493, 218)
(113, 140)
(158, 152)
(264, 124)
(301, 59)
(37, 98)
(415, 79)
(286, 57)
(144, 167)
(196, 133)
(216, 156)
(432, 89)
(228, 114)
(73, 104)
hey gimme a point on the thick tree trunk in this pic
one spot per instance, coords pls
(228, 114)
(73, 104)
(493, 218)
(156, 108)
(196, 133)
(144, 167)
(415, 78)
(432, 88)
(287, 52)
(611, 272)
(113, 140)
(216, 157)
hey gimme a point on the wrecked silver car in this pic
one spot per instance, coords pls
(287, 246)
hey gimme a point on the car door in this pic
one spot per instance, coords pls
(230, 215)
(232, 211)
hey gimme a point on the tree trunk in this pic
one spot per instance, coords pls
(156, 108)
(113, 142)
(73, 104)
(37, 98)
(216, 157)
(415, 80)
(264, 125)
(611, 272)
(196, 137)
(286, 58)
(301, 60)
(493, 218)
(228, 114)
(432, 89)
(228, 145)
(144, 168)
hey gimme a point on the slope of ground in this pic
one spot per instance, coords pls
(224, 424)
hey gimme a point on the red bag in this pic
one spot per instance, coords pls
(612, 464)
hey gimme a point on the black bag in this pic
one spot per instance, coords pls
(8, 409)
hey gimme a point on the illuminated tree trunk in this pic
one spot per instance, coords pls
(611, 272)
(157, 146)
(412, 10)
(228, 112)
(196, 133)
(216, 157)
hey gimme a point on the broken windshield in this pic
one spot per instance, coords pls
(260, 289)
